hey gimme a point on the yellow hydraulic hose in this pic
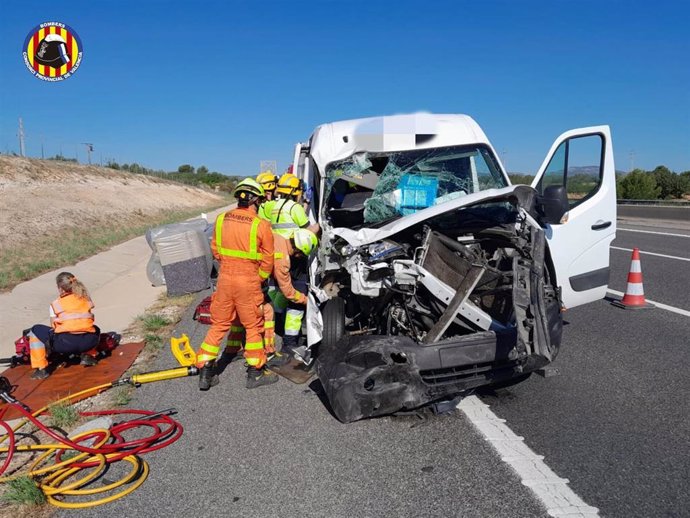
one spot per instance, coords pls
(136, 379)
(50, 478)
(139, 467)
(58, 473)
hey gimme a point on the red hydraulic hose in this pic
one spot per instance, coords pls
(10, 451)
(160, 438)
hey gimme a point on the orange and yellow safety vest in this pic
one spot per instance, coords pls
(73, 314)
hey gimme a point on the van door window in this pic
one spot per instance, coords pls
(577, 164)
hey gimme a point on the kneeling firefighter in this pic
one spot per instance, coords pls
(243, 245)
(71, 330)
(287, 273)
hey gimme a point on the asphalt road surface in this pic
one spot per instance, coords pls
(613, 421)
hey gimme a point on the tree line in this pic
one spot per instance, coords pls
(659, 184)
(186, 174)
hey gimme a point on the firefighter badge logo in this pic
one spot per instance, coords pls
(52, 51)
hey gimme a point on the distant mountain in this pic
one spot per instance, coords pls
(589, 170)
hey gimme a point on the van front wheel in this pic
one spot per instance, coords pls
(333, 315)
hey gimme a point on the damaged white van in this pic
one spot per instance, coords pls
(434, 274)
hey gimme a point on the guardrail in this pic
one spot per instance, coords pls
(674, 212)
(656, 203)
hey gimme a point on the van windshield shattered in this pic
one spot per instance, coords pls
(369, 188)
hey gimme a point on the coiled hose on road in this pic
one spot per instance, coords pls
(109, 446)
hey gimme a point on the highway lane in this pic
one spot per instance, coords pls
(663, 241)
(615, 420)
(666, 279)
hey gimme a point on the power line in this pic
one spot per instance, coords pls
(21, 138)
(632, 159)
(89, 149)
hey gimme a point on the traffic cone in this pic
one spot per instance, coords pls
(634, 293)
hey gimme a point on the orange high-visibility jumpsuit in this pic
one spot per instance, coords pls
(243, 245)
(289, 299)
(236, 336)
(281, 270)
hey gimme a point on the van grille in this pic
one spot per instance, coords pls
(464, 372)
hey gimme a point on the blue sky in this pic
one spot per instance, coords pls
(227, 84)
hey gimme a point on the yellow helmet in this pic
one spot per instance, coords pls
(267, 180)
(248, 189)
(305, 240)
(289, 184)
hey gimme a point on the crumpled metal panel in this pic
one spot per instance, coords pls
(368, 376)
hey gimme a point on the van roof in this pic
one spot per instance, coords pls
(339, 140)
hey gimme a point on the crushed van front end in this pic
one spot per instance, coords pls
(443, 302)
(368, 376)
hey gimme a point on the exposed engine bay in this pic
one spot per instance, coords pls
(459, 300)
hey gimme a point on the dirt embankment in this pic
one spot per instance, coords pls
(39, 198)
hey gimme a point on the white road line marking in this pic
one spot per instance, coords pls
(652, 253)
(650, 232)
(672, 309)
(552, 490)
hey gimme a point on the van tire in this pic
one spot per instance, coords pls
(333, 315)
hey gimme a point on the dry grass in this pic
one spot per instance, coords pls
(50, 252)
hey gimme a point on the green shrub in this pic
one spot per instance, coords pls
(23, 490)
(63, 415)
(154, 322)
(153, 341)
(638, 185)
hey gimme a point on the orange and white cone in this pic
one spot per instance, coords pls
(634, 293)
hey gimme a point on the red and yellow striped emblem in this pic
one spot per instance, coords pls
(52, 51)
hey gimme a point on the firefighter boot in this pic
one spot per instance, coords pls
(278, 359)
(40, 374)
(208, 377)
(260, 377)
(87, 360)
(289, 344)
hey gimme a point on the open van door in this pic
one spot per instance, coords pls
(580, 167)
(302, 168)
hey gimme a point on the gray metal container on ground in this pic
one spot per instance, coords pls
(186, 261)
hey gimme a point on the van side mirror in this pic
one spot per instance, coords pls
(554, 203)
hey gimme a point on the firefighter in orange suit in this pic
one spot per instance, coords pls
(236, 337)
(243, 244)
(288, 299)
